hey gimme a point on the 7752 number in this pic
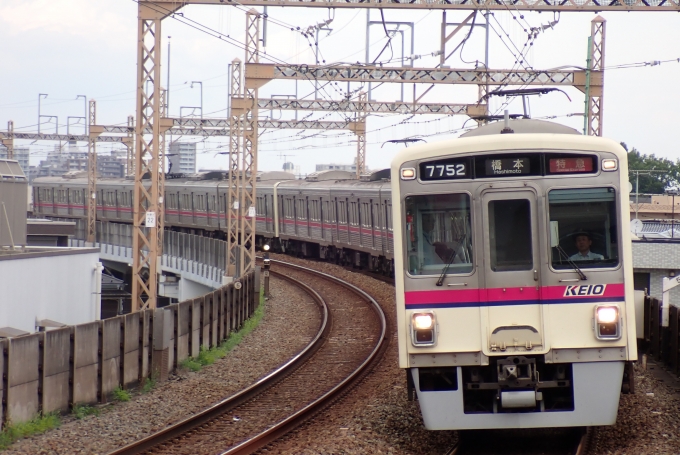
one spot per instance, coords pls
(448, 170)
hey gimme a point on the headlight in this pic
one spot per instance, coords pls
(607, 314)
(423, 329)
(607, 322)
(408, 173)
(423, 321)
(610, 165)
(266, 247)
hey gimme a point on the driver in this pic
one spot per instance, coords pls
(583, 242)
(434, 252)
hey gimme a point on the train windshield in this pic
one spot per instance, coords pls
(438, 232)
(586, 226)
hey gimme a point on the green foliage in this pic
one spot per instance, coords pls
(81, 411)
(209, 356)
(654, 182)
(37, 425)
(119, 394)
(190, 364)
(148, 384)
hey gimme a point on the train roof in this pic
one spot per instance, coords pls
(522, 126)
(528, 135)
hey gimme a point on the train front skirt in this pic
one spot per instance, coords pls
(595, 388)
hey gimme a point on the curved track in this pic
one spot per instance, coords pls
(347, 345)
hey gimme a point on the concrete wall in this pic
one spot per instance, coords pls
(658, 259)
(46, 284)
(82, 364)
(189, 289)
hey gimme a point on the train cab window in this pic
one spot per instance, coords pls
(584, 227)
(510, 235)
(438, 232)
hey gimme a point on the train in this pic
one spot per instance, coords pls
(514, 279)
(500, 323)
(329, 215)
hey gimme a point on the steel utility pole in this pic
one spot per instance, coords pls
(637, 184)
(595, 92)
(148, 193)
(249, 157)
(233, 195)
(93, 132)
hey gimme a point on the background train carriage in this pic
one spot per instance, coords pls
(329, 215)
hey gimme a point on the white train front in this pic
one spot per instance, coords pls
(514, 277)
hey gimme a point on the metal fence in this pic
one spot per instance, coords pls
(663, 343)
(201, 256)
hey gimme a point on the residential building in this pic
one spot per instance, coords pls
(74, 159)
(20, 154)
(182, 158)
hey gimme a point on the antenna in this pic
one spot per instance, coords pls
(285, 156)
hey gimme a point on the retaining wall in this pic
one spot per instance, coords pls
(52, 371)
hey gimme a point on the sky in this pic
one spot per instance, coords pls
(73, 50)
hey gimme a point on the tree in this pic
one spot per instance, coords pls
(653, 183)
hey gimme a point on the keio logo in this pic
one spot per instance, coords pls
(585, 290)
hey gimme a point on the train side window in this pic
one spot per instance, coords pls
(342, 211)
(587, 227)
(325, 211)
(365, 214)
(438, 231)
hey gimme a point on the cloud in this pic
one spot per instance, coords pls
(77, 18)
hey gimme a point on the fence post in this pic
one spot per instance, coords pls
(655, 329)
(673, 329)
(162, 329)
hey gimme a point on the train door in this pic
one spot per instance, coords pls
(513, 314)
(389, 239)
(308, 220)
(193, 209)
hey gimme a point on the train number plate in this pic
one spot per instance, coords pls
(450, 169)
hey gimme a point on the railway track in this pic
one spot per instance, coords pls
(352, 337)
(562, 441)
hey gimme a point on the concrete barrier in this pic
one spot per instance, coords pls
(56, 374)
(86, 363)
(132, 348)
(23, 385)
(111, 358)
(183, 331)
(54, 370)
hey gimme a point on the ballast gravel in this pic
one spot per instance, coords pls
(186, 393)
(375, 418)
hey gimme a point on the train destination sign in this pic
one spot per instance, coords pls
(570, 165)
(450, 169)
(508, 166)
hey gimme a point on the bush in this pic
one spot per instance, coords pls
(148, 384)
(81, 411)
(37, 425)
(209, 356)
(119, 394)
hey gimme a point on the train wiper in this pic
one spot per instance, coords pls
(571, 263)
(452, 258)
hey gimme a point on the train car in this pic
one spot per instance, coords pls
(330, 215)
(514, 281)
